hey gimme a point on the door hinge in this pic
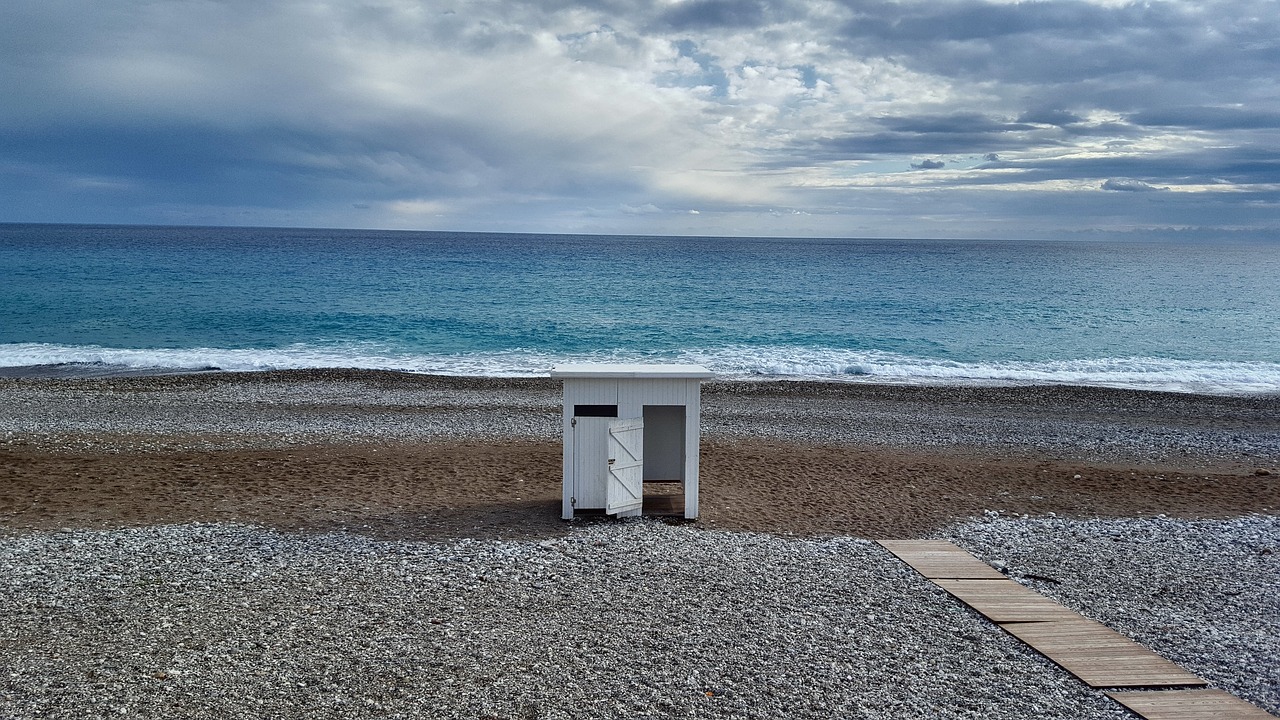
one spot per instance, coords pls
(573, 502)
(573, 422)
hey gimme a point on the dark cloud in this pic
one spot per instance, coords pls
(1238, 166)
(952, 134)
(703, 14)
(966, 123)
(928, 165)
(873, 146)
(1076, 54)
(1050, 116)
(974, 20)
(1208, 118)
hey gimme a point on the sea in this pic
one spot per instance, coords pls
(1186, 316)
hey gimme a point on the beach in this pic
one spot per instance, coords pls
(409, 456)
(221, 505)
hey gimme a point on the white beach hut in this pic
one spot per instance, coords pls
(625, 425)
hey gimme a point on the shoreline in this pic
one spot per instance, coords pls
(100, 370)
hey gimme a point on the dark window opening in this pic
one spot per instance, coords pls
(595, 411)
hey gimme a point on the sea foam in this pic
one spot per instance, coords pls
(742, 363)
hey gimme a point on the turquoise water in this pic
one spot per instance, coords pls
(1183, 316)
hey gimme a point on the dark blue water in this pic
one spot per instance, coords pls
(1151, 314)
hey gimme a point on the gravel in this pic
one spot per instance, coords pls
(1077, 423)
(618, 619)
(1204, 594)
(275, 409)
(292, 408)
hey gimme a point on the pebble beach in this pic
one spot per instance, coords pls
(364, 544)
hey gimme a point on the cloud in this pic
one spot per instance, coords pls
(1208, 118)
(702, 14)
(1128, 185)
(1050, 116)
(533, 114)
(950, 124)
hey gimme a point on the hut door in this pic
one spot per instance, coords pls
(624, 486)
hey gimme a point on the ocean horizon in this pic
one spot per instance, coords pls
(87, 300)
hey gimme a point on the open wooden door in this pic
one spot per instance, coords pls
(624, 486)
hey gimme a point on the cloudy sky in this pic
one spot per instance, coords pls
(930, 118)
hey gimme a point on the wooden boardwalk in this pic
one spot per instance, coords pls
(1189, 705)
(1100, 656)
(1094, 653)
(940, 559)
(1005, 601)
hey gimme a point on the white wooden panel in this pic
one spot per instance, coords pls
(590, 391)
(631, 397)
(590, 462)
(625, 484)
(585, 491)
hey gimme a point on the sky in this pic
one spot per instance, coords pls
(936, 118)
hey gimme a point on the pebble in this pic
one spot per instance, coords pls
(296, 408)
(1204, 594)
(616, 619)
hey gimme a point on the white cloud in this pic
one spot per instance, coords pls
(1128, 185)
(415, 208)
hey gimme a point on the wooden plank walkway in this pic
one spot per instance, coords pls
(1003, 601)
(938, 559)
(1100, 656)
(1189, 705)
(1091, 651)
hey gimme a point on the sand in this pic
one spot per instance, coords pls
(788, 458)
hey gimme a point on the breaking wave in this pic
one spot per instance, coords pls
(730, 363)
